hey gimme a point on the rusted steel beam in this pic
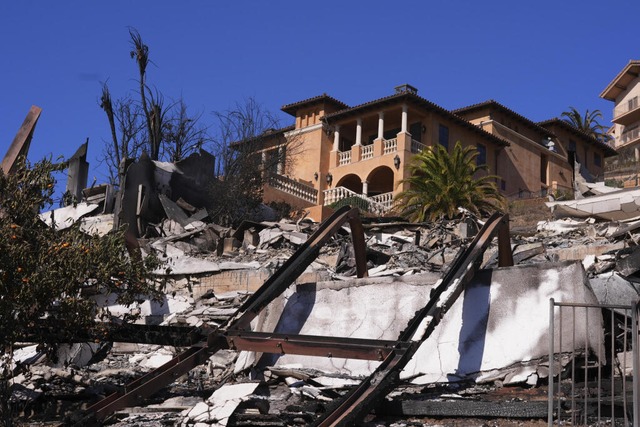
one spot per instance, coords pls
(359, 401)
(20, 145)
(299, 261)
(311, 345)
(467, 259)
(150, 383)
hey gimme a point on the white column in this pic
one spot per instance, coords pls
(336, 138)
(365, 188)
(280, 167)
(380, 125)
(359, 132)
(405, 111)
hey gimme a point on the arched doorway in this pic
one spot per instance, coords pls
(351, 182)
(380, 181)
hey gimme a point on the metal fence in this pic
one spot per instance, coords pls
(593, 387)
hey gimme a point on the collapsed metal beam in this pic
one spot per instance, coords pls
(311, 345)
(136, 391)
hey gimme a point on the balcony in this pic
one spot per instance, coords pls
(389, 146)
(629, 137)
(367, 152)
(627, 113)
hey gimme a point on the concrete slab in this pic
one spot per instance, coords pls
(67, 216)
(611, 288)
(377, 308)
(98, 225)
(582, 251)
(501, 319)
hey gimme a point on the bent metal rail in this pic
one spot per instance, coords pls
(394, 355)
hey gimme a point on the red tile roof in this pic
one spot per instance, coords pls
(293, 107)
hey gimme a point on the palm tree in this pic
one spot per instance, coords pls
(440, 183)
(588, 123)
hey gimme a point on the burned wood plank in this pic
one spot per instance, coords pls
(526, 252)
(136, 391)
(77, 172)
(20, 145)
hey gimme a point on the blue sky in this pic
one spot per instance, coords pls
(536, 57)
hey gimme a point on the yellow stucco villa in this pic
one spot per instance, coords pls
(335, 151)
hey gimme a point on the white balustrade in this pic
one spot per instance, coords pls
(334, 195)
(367, 152)
(293, 187)
(384, 199)
(344, 158)
(390, 146)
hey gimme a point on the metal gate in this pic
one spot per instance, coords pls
(594, 388)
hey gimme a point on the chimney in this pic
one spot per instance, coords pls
(406, 88)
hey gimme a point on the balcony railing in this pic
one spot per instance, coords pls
(334, 195)
(390, 146)
(367, 152)
(630, 136)
(293, 187)
(630, 105)
(385, 199)
(344, 158)
(417, 147)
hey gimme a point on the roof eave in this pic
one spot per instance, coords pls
(416, 100)
(613, 86)
(509, 111)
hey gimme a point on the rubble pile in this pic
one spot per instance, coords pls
(478, 363)
(246, 389)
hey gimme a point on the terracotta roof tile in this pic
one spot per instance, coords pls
(293, 107)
